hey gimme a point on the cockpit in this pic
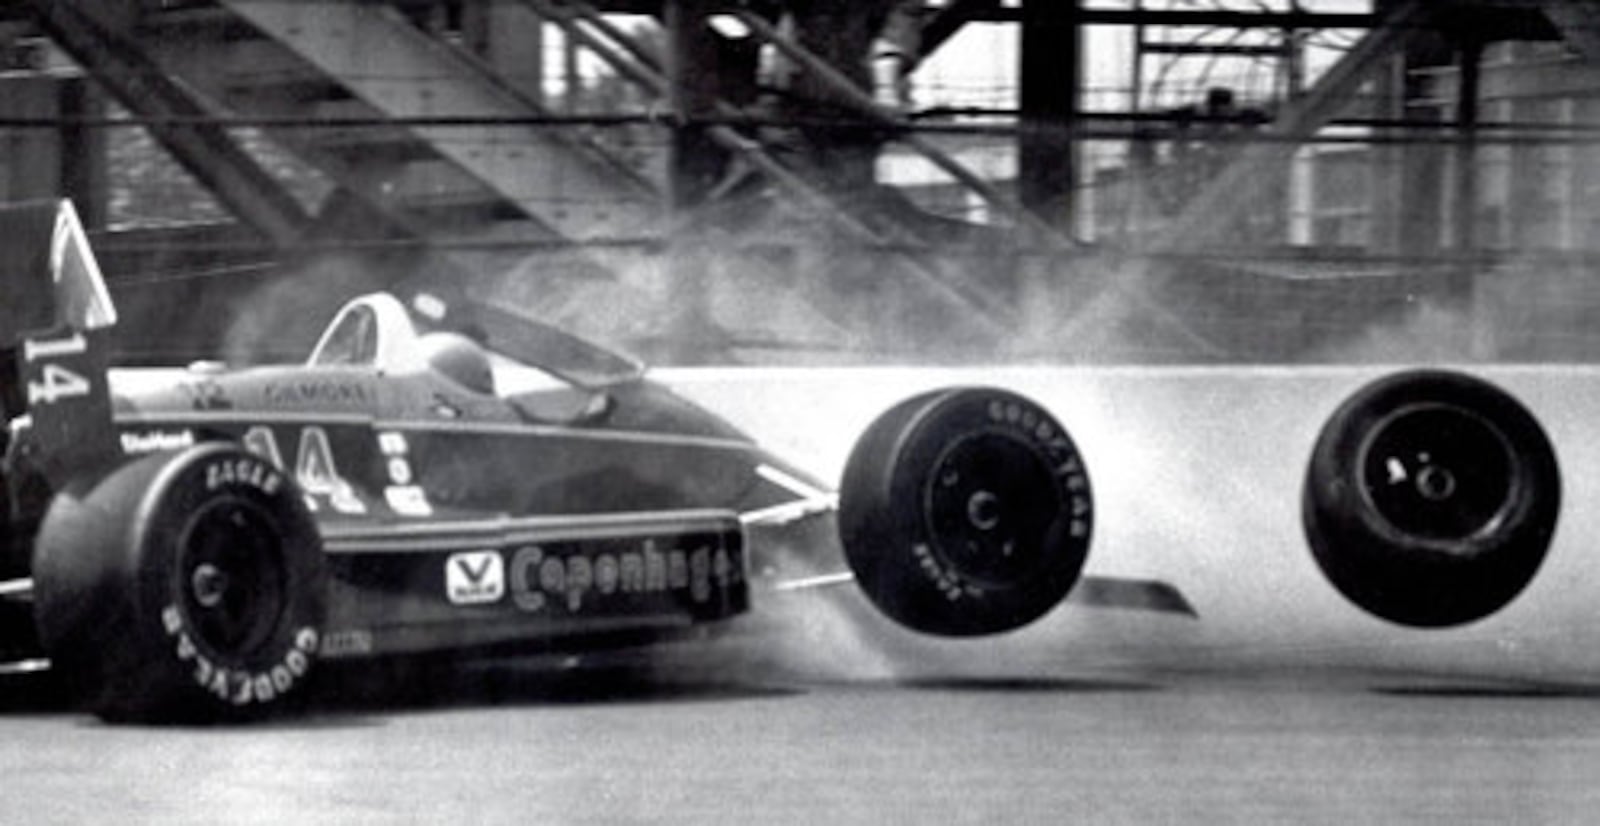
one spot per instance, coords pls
(459, 359)
(484, 350)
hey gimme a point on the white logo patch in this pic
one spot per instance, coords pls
(475, 577)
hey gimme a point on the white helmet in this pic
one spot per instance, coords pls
(459, 359)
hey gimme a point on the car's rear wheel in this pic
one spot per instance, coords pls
(187, 586)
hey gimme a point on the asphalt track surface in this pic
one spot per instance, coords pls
(815, 711)
(625, 746)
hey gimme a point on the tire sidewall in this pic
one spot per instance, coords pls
(884, 514)
(109, 599)
(250, 680)
(1417, 580)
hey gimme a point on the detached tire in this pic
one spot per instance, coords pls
(1431, 498)
(182, 587)
(965, 511)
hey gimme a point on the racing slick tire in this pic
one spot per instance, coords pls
(965, 511)
(1431, 498)
(182, 587)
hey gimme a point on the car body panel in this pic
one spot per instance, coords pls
(412, 479)
(556, 496)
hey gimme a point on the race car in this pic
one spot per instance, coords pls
(442, 475)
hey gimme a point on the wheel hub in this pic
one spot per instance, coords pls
(983, 511)
(990, 505)
(231, 561)
(209, 584)
(1438, 472)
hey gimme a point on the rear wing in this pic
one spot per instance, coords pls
(54, 323)
(48, 274)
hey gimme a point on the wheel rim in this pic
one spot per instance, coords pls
(1439, 472)
(990, 504)
(231, 577)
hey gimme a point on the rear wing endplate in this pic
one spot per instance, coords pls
(54, 325)
(48, 274)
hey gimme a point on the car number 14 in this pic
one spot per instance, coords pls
(56, 382)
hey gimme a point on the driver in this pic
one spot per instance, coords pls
(459, 359)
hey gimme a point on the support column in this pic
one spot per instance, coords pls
(1465, 167)
(695, 161)
(1463, 219)
(694, 165)
(83, 152)
(1407, 208)
(510, 37)
(1051, 74)
(100, 37)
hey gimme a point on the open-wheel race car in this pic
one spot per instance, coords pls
(441, 475)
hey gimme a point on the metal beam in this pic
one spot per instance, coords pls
(948, 20)
(1254, 165)
(615, 48)
(87, 31)
(961, 12)
(1207, 18)
(858, 100)
(1463, 219)
(1050, 72)
(1579, 24)
(1406, 208)
(1217, 49)
(569, 185)
(695, 161)
(1512, 81)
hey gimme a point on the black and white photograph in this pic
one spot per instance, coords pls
(799, 411)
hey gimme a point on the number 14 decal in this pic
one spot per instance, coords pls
(56, 382)
(314, 468)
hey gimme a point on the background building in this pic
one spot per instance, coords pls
(1066, 181)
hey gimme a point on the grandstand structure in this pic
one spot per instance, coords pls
(1065, 180)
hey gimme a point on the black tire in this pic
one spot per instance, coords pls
(182, 587)
(965, 511)
(1431, 498)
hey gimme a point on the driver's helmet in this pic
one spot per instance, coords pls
(459, 359)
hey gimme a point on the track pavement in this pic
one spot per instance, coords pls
(626, 746)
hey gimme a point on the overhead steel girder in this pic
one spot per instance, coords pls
(946, 21)
(1254, 164)
(615, 48)
(861, 102)
(177, 118)
(1579, 24)
(570, 186)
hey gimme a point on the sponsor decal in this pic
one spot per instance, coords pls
(153, 441)
(260, 441)
(538, 577)
(347, 643)
(56, 363)
(944, 577)
(399, 471)
(315, 392)
(247, 471)
(391, 443)
(408, 500)
(314, 468)
(319, 475)
(1029, 423)
(206, 394)
(239, 686)
(475, 577)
